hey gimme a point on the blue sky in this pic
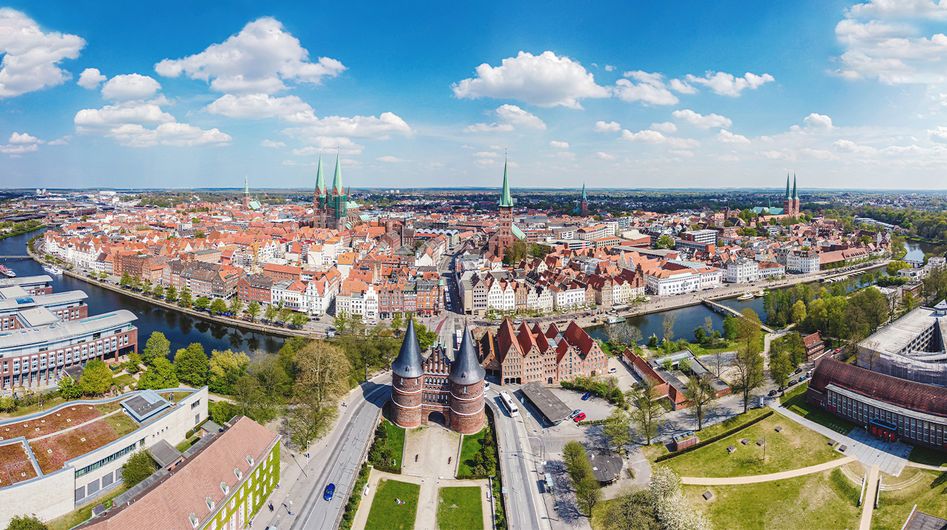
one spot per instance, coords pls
(613, 94)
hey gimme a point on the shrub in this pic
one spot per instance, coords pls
(139, 467)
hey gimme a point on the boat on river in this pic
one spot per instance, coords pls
(615, 319)
(8, 272)
(745, 296)
(52, 269)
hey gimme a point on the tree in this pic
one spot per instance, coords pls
(617, 429)
(225, 368)
(647, 411)
(298, 320)
(171, 295)
(96, 378)
(158, 376)
(133, 364)
(631, 511)
(748, 363)
(271, 313)
(798, 312)
(665, 241)
(667, 326)
(579, 468)
(700, 392)
(236, 306)
(138, 467)
(26, 522)
(69, 389)
(321, 377)
(672, 509)
(185, 298)
(191, 364)
(201, 303)
(426, 337)
(397, 321)
(218, 306)
(253, 309)
(159, 291)
(780, 366)
(158, 346)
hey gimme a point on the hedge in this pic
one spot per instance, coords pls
(713, 439)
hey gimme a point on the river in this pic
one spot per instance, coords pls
(180, 329)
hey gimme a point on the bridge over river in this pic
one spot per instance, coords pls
(729, 311)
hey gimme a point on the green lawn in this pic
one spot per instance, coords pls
(124, 380)
(795, 401)
(469, 449)
(793, 447)
(655, 450)
(83, 513)
(386, 514)
(929, 493)
(931, 457)
(122, 423)
(395, 441)
(810, 502)
(460, 508)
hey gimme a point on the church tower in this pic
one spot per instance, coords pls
(319, 198)
(246, 193)
(503, 238)
(466, 388)
(406, 382)
(584, 203)
(795, 197)
(338, 200)
(787, 201)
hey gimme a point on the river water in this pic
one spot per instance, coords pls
(180, 329)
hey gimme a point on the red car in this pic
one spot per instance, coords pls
(580, 417)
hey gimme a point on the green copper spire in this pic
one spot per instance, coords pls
(320, 179)
(506, 198)
(788, 196)
(794, 194)
(337, 179)
(583, 191)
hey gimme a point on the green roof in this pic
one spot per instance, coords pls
(506, 198)
(337, 178)
(320, 179)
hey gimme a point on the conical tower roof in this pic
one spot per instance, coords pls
(409, 361)
(794, 194)
(337, 178)
(788, 196)
(583, 191)
(506, 198)
(466, 368)
(320, 179)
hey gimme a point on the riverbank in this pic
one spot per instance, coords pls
(19, 232)
(226, 321)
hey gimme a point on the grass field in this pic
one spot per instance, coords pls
(395, 441)
(460, 508)
(931, 457)
(793, 447)
(929, 493)
(811, 502)
(795, 401)
(655, 450)
(386, 514)
(470, 447)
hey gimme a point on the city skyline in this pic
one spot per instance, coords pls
(845, 94)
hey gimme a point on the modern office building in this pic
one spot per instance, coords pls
(911, 347)
(55, 460)
(30, 311)
(221, 484)
(35, 356)
(32, 285)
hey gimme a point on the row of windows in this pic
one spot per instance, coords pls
(908, 427)
(110, 458)
(67, 356)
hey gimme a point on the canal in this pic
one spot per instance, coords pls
(180, 329)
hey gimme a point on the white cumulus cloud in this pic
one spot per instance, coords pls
(90, 78)
(646, 87)
(607, 126)
(130, 86)
(381, 126)
(31, 56)
(817, 121)
(259, 59)
(728, 137)
(559, 144)
(726, 84)
(509, 117)
(703, 121)
(545, 80)
(260, 106)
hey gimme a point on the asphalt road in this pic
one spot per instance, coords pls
(341, 468)
(517, 468)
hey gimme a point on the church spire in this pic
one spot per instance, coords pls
(583, 191)
(788, 196)
(794, 194)
(246, 186)
(320, 179)
(506, 198)
(337, 178)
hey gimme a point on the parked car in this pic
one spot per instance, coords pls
(793, 381)
(586, 396)
(329, 492)
(772, 393)
(575, 413)
(612, 370)
(579, 418)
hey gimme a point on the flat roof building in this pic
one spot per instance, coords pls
(42, 284)
(550, 406)
(16, 312)
(912, 347)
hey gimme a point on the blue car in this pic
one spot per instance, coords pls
(586, 396)
(329, 492)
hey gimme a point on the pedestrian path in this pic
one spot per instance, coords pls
(769, 477)
(868, 501)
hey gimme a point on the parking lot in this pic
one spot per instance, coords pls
(594, 409)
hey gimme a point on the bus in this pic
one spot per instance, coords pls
(509, 404)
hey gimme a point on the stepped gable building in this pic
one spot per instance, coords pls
(436, 388)
(331, 207)
(521, 355)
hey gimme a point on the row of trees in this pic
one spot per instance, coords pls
(579, 468)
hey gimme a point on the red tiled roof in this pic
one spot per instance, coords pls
(900, 392)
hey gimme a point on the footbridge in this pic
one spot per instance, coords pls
(729, 311)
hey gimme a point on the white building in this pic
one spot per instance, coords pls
(741, 270)
(802, 262)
